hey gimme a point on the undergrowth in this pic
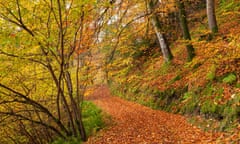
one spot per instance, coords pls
(92, 120)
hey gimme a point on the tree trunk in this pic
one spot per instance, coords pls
(185, 29)
(81, 128)
(212, 21)
(75, 108)
(167, 54)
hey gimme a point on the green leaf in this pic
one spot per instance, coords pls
(230, 78)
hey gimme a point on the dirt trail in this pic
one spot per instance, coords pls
(136, 124)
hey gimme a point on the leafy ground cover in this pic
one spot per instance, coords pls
(207, 88)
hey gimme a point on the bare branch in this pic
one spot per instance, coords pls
(35, 104)
(33, 121)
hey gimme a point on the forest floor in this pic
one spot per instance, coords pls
(137, 124)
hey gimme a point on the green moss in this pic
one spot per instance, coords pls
(197, 65)
(187, 95)
(230, 114)
(208, 107)
(237, 85)
(212, 73)
(189, 107)
(226, 6)
(191, 101)
(70, 140)
(208, 90)
(165, 67)
(214, 29)
(176, 78)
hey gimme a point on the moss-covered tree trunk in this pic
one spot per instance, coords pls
(185, 29)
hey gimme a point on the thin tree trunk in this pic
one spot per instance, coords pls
(75, 108)
(167, 54)
(212, 21)
(185, 29)
(81, 128)
(79, 97)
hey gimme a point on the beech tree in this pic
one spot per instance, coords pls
(167, 54)
(185, 29)
(212, 21)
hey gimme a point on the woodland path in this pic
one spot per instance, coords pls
(137, 124)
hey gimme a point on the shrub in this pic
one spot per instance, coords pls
(92, 119)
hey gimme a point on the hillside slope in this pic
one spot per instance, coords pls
(207, 89)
